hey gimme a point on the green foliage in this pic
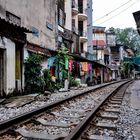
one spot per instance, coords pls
(125, 69)
(49, 84)
(74, 83)
(128, 37)
(63, 54)
(34, 82)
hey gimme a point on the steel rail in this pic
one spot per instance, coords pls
(77, 131)
(6, 124)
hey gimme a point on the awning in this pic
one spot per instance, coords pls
(6, 22)
(37, 49)
(13, 31)
(83, 59)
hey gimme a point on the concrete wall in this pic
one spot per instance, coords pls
(68, 11)
(34, 13)
(9, 66)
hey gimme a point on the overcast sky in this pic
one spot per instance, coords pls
(120, 18)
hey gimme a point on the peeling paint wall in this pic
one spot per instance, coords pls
(39, 14)
(9, 70)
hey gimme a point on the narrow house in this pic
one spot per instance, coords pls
(12, 41)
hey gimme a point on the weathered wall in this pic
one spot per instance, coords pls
(34, 13)
(9, 70)
(10, 66)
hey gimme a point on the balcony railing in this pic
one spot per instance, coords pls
(74, 7)
(82, 15)
(82, 10)
(83, 36)
(74, 4)
(83, 33)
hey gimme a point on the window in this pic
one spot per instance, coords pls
(73, 25)
(61, 14)
(61, 17)
(82, 47)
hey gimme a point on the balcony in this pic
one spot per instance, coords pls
(74, 7)
(82, 15)
(83, 36)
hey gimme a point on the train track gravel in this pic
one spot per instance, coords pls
(57, 123)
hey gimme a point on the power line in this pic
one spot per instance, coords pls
(119, 13)
(113, 10)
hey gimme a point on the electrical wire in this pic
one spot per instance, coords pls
(119, 12)
(112, 11)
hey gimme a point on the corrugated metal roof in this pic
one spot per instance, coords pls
(24, 29)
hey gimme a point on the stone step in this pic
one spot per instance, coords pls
(99, 137)
(106, 125)
(57, 124)
(39, 135)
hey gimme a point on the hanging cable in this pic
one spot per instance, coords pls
(119, 13)
(113, 11)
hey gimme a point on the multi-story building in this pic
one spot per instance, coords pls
(74, 26)
(79, 21)
(48, 24)
(71, 26)
(99, 43)
(16, 18)
(82, 25)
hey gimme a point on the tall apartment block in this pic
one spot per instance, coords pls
(79, 21)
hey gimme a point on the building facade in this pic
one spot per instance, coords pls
(18, 16)
(41, 27)
(99, 43)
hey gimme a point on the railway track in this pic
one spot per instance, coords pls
(59, 120)
(101, 123)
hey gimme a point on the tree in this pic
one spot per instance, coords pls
(128, 37)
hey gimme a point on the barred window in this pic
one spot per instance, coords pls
(61, 17)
